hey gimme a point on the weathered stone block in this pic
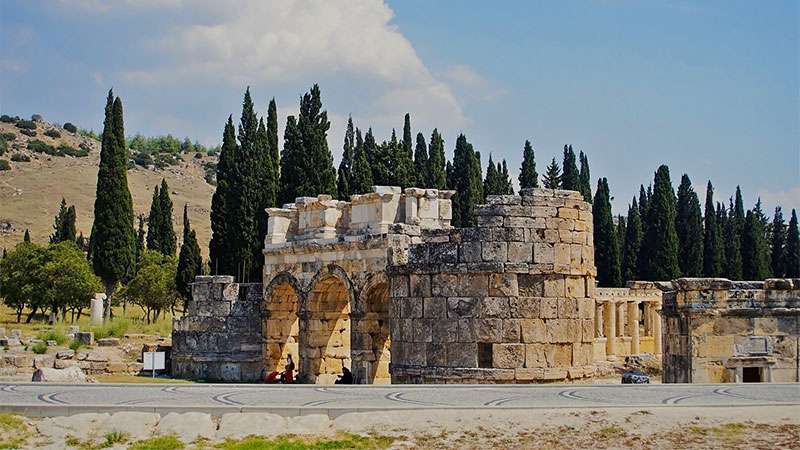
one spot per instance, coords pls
(419, 285)
(488, 330)
(508, 356)
(436, 354)
(462, 307)
(582, 354)
(423, 330)
(466, 330)
(543, 253)
(568, 308)
(503, 285)
(533, 331)
(446, 330)
(524, 307)
(548, 307)
(470, 252)
(443, 252)
(535, 355)
(434, 307)
(399, 286)
(554, 286)
(559, 355)
(444, 285)
(411, 307)
(494, 251)
(462, 354)
(511, 330)
(520, 252)
(530, 285)
(497, 307)
(472, 285)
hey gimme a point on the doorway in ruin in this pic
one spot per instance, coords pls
(373, 333)
(751, 374)
(282, 328)
(327, 345)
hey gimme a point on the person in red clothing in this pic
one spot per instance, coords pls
(288, 374)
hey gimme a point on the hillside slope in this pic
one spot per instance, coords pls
(30, 192)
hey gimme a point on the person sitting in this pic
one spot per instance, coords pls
(346, 377)
(288, 374)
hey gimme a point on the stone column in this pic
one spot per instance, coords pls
(97, 309)
(620, 319)
(611, 328)
(598, 320)
(633, 324)
(656, 330)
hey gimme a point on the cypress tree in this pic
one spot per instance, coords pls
(622, 231)
(64, 224)
(408, 153)
(166, 232)
(345, 173)
(379, 160)
(792, 252)
(308, 170)
(552, 178)
(712, 239)
(113, 240)
(505, 180)
(467, 186)
(27, 236)
(437, 175)
(490, 184)
(633, 242)
(570, 178)
(450, 176)
(584, 178)
(733, 249)
(528, 178)
(777, 243)
(644, 204)
(689, 228)
(661, 240)
(219, 253)
(272, 137)
(139, 249)
(362, 174)
(154, 222)
(421, 163)
(606, 249)
(754, 249)
(190, 263)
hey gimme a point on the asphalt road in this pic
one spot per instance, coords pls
(37, 399)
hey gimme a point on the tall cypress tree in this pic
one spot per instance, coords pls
(792, 253)
(661, 240)
(733, 249)
(27, 236)
(291, 155)
(437, 175)
(64, 224)
(754, 249)
(345, 173)
(552, 177)
(467, 186)
(362, 174)
(408, 153)
(421, 163)
(633, 242)
(166, 232)
(221, 258)
(622, 231)
(379, 160)
(154, 222)
(190, 263)
(490, 183)
(606, 249)
(570, 178)
(505, 179)
(712, 238)
(272, 136)
(528, 178)
(113, 241)
(139, 249)
(689, 227)
(585, 181)
(777, 243)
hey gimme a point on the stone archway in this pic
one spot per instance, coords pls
(371, 335)
(282, 336)
(327, 329)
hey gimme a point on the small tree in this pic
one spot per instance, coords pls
(552, 178)
(153, 287)
(528, 178)
(64, 224)
(20, 279)
(68, 281)
(190, 263)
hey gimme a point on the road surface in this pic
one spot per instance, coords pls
(38, 399)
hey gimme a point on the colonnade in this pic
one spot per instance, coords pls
(626, 324)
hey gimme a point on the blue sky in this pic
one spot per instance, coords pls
(709, 88)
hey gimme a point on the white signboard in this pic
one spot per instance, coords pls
(154, 360)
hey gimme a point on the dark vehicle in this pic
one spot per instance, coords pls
(635, 377)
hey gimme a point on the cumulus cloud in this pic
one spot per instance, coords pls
(787, 199)
(466, 79)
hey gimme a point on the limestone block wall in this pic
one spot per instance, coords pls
(720, 331)
(219, 338)
(510, 301)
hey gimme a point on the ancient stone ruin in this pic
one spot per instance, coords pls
(384, 285)
(723, 331)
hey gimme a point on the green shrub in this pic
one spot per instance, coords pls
(8, 136)
(5, 165)
(29, 133)
(19, 157)
(53, 335)
(158, 443)
(53, 134)
(115, 328)
(75, 345)
(65, 149)
(36, 118)
(8, 119)
(40, 348)
(26, 125)
(3, 147)
(143, 159)
(70, 127)
(38, 146)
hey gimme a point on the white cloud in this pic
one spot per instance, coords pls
(787, 199)
(12, 66)
(466, 79)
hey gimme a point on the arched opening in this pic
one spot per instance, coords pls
(327, 345)
(373, 328)
(282, 327)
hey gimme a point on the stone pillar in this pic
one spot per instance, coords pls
(620, 319)
(598, 320)
(633, 324)
(97, 309)
(656, 330)
(611, 328)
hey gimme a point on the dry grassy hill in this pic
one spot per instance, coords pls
(30, 192)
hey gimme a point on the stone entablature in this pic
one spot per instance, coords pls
(627, 320)
(508, 301)
(322, 217)
(718, 330)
